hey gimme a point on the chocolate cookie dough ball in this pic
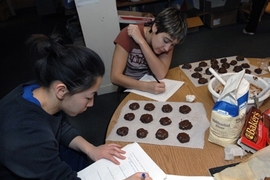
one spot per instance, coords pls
(237, 68)
(225, 65)
(162, 134)
(141, 133)
(202, 64)
(245, 65)
(122, 131)
(185, 124)
(134, 106)
(233, 62)
(183, 137)
(247, 71)
(149, 106)
(198, 69)
(215, 66)
(196, 75)
(166, 108)
(165, 121)
(222, 70)
(240, 58)
(185, 109)
(202, 80)
(208, 72)
(186, 66)
(214, 61)
(129, 116)
(258, 70)
(146, 118)
(223, 60)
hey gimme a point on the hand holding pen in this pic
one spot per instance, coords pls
(155, 78)
(139, 176)
(143, 176)
(159, 87)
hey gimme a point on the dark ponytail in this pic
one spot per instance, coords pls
(76, 66)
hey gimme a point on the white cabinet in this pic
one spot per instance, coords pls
(100, 26)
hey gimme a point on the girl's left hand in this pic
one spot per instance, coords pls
(107, 151)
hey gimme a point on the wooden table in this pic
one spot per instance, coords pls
(180, 160)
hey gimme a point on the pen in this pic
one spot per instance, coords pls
(143, 176)
(155, 78)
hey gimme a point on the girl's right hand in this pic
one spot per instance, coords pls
(134, 31)
(139, 176)
(155, 87)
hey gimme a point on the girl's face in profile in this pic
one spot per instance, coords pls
(79, 102)
(162, 42)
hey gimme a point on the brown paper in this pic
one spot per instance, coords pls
(256, 167)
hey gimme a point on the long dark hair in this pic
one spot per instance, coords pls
(76, 66)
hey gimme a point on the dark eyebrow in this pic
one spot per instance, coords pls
(174, 44)
(168, 39)
(94, 93)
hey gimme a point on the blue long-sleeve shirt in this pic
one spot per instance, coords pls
(30, 139)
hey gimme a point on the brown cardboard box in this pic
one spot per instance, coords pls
(267, 8)
(217, 19)
(222, 15)
(127, 17)
(194, 23)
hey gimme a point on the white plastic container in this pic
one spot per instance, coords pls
(252, 79)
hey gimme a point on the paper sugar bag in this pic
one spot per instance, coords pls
(229, 112)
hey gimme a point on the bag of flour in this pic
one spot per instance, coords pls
(229, 112)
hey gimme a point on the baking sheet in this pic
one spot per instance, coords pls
(197, 117)
(189, 72)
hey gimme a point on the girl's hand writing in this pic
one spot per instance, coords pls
(155, 87)
(139, 176)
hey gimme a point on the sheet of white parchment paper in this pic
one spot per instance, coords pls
(197, 117)
(189, 72)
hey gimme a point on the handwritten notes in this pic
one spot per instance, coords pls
(136, 161)
(171, 87)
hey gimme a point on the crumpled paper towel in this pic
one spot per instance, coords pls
(190, 98)
(233, 150)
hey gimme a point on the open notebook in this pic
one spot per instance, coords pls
(136, 161)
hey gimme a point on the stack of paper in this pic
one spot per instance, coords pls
(136, 161)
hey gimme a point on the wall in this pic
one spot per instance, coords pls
(100, 26)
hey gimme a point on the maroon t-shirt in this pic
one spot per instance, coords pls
(136, 66)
